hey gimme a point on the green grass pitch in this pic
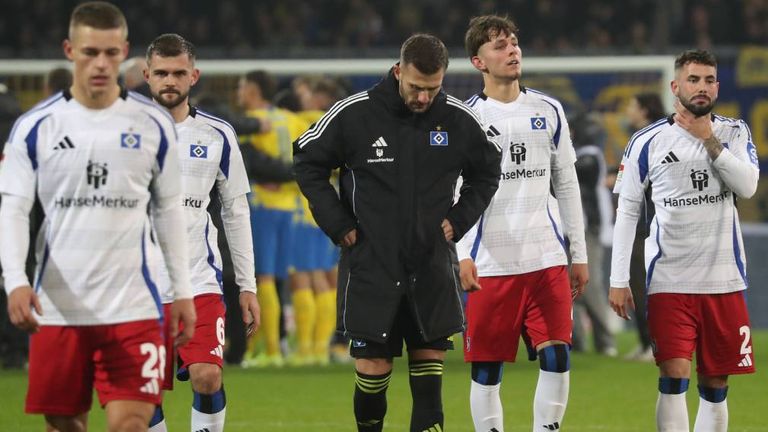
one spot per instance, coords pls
(606, 395)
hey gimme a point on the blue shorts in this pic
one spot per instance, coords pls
(312, 249)
(329, 252)
(273, 234)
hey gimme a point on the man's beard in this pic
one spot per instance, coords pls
(698, 110)
(172, 103)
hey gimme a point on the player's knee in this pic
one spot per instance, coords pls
(675, 368)
(373, 366)
(206, 378)
(555, 358)
(65, 423)
(487, 373)
(129, 423)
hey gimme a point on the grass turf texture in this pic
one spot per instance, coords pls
(607, 394)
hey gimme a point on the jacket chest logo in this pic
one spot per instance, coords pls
(438, 138)
(379, 146)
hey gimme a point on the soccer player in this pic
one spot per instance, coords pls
(273, 207)
(514, 260)
(698, 164)
(210, 161)
(400, 146)
(96, 156)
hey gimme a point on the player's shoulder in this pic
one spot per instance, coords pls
(463, 110)
(208, 121)
(642, 138)
(731, 124)
(542, 100)
(138, 102)
(35, 115)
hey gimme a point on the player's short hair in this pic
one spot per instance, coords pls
(99, 15)
(171, 45)
(651, 103)
(264, 81)
(426, 52)
(695, 56)
(484, 28)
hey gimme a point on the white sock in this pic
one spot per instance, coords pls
(711, 417)
(160, 427)
(485, 404)
(550, 400)
(211, 422)
(671, 413)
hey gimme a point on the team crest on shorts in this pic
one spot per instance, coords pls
(357, 343)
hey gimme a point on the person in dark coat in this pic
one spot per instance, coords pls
(401, 146)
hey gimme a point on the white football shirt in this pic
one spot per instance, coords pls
(695, 244)
(94, 172)
(209, 157)
(521, 230)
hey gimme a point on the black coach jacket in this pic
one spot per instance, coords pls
(398, 174)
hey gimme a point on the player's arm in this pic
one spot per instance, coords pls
(232, 185)
(738, 165)
(467, 268)
(315, 154)
(170, 223)
(565, 184)
(631, 185)
(480, 178)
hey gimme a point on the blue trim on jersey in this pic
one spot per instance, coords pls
(472, 101)
(224, 162)
(42, 105)
(162, 150)
(39, 280)
(556, 137)
(148, 278)
(211, 259)
(642, 132)
(554, 228)
(476, 243)
(31, 140)
(737, 253)
(642, 159)
(214, 118)
(656, 258)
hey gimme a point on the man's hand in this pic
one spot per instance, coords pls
(579, 279)
(349, 239)
(183, 310)
(621, 301)
(468, 275)
(447, 229)
(249, 305)
(20, 304)
(699, 127)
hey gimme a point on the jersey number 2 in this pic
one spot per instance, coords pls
(154, 366)
(746, 348)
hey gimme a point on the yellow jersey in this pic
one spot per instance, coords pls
(277, 143)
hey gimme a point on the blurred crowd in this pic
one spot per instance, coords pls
(280, 28)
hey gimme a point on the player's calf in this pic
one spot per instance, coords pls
(551, 396)
(484, 399)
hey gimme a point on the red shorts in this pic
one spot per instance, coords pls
(537, 306)
(170, 360)
(121, 361)
(207, 345)
(716, 326)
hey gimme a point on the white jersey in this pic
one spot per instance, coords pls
(209, 158)
(521, 230)
(695, 244)
(94, 172)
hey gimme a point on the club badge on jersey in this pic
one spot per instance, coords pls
(198, 151)
(130, 141)
(538, 123)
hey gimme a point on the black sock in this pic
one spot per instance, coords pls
(426, 378)
(370, 401)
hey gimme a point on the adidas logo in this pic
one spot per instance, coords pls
(492, 132)
(203, 430)
(379, 143)
(64, 144)
(151, 387)
(671, 157)
(745, 362)
(218, 351)
(553, 426)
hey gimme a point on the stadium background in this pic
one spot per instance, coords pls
(234, 36)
